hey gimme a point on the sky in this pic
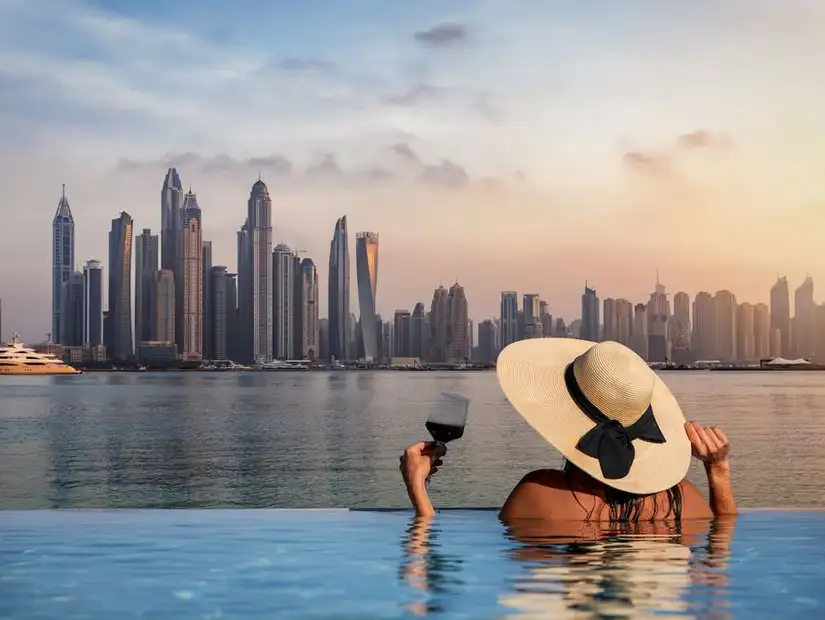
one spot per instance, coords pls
(528, 145)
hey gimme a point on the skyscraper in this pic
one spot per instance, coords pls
(610, 329)
(338, 297)
(658, 315)
(781, 314)
(118, 338)
(189, 283)
(590, 315)
(242, 349)
(745, 333)
(171, 203)
(639, 338)
(401, 333)
(92, 303)
(310, 336)
(366, 264)
(62, 260)
(283, 302)
(71, 315)
(165, 306)
(487, 348)
(679, 328)
(624, 322)
(803, 330)
(220, 308)
(419, 332)
(208, 328)
(531, 316)
(725, 312)
(762, 331)
(258, 267)
(509, 318)
(439, 325)
(458, 334)
(703, 340)
(146, 271)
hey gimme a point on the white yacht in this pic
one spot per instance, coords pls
(18, 359)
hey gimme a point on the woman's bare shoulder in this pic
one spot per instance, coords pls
(694, 504)
(542, 494)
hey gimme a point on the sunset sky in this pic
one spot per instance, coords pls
(525, 145)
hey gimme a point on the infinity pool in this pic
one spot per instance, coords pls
(372, 564)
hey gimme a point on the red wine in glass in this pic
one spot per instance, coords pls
(446, 422)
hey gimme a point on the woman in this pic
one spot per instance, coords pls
(626, 444)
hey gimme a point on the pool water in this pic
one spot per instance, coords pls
(373, 564)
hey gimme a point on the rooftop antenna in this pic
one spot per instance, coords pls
(259, 175)
(64, 190)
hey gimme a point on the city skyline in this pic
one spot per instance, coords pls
(472, 127)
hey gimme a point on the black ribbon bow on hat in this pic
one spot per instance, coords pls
(609, 441)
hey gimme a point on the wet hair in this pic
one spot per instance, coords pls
(624, 507)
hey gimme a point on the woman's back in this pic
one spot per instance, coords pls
(571, 495)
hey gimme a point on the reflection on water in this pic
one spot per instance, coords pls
(586, 570)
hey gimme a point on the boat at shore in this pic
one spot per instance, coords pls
(18, 359)
(278, 365)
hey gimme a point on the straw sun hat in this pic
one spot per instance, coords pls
(602, 407)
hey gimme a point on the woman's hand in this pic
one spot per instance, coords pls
(709, 444)
(420, 461)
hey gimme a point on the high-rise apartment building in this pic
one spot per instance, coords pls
(164, 313)
(146, 273)
(487, 342)
(762, 331)
(458, 335)
(401, 333)
(310, 345)
(703, 339)
(439, 325)
(746, 333)
(531, 316)
(71, 315)
(624, 322)
(590, 315)
(781, 314)
(189, 283)
(255, 274)
(118, 328)
(366, 265)
(610, 318)
(63, 260)
(171, 203)
(92, 304)
(419, 333)
(283, 302)
(207, 322)
(725, 313)
(509, 318)
(679, 328)
(338, 298)
(639, 338)
(658, 315)
(220, 308)
(242, 351)
(803, 326)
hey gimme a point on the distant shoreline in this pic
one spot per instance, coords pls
(418, 370)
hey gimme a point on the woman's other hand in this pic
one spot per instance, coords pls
(420, 461)
(709, 444)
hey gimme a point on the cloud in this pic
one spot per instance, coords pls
(647, 162)
(446, 34)
(416, 94)
(703, 139)
(326, 167)
(446, 173)
(271, 165)
(406, 153)
(292, 63)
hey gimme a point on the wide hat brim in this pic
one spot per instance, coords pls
(531, 374)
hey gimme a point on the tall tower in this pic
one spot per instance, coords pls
(171, 203)
(781, 314)
(658, 315)
(310, 336)
(509, 318)
(118, 331)
(258, 275)
(803, 326)
(458, 325)
(146, 272)
(189, 285)
(62, 260)
(338, 298)
(164, 311)
(590, 315)
(208, 328)
(242, 340)
(440, 325)
(92, 304)
(366, 264)
(283, 302)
